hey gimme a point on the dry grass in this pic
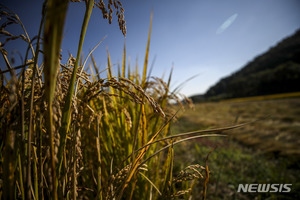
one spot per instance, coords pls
(276, 131)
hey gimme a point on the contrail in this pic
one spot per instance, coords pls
(226, 24)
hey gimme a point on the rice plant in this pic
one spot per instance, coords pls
(67, 134)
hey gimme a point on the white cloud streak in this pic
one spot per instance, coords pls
(227, 23)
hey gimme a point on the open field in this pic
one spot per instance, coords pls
(277, 128)
(266, 151)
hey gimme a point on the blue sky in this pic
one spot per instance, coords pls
(212, 38)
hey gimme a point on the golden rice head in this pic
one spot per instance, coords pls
(189, 173)
(107, 12)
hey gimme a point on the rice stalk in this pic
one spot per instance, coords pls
(98, 142)
(9, 149)
(95, 67)
(206, 175)
(147, 53)
(30, 126)
(53, 30)
(67, 107)
(83, 66)
(177, 142)
(168, 175)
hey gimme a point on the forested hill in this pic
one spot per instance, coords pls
(276, 71)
